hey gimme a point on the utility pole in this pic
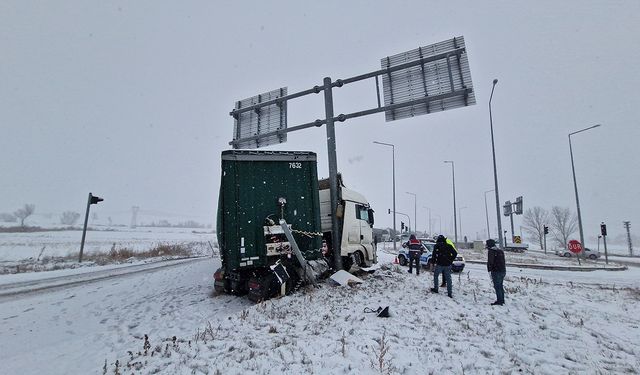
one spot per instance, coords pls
(415, 210)
(455, 219)
(134, 216)
(627, 225)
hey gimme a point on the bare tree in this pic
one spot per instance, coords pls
(25, 212)
(69, 217)
(563, 224)
(533, 223)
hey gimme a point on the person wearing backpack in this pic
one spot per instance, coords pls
(443, 256)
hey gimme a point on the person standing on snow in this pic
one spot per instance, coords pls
(443, 256)
(498, 269)
(444, 281)
(415, 250)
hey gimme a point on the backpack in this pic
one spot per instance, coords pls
(452, 253)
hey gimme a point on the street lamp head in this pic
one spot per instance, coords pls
(384, 144)
(585, 129)
(495, 81)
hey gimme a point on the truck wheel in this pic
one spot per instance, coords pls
(358, 258)
(402, 260)
(593, 257)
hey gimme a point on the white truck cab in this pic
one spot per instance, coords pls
(356, 219)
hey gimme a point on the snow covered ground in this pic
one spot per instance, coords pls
(554, 322)
(16, 246)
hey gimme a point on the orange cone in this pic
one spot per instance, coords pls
(395, 260)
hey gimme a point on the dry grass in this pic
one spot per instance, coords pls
(116, 255)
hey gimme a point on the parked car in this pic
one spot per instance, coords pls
(403, 254)
(458, 264)
(588, 253)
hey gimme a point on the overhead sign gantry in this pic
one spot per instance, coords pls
(428, 79)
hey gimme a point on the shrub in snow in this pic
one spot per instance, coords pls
(69, 218)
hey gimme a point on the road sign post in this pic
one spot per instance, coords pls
(545, 231)
(603, 233)
(92, 200)
(575, 247)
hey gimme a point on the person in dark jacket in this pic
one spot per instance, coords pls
(498, 269)
(443, 256)
(415, 250)
(444, 281)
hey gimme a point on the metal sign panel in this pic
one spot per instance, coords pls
(445, 75)
(259, 121)
(518, 210)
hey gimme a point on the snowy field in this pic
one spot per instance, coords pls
(554, 322)
(16, 246)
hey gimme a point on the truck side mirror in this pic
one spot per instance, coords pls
(371, 217)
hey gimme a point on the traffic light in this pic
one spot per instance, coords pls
(389, 211)
(402, 226)
(603, 229)
(546, 229)
(94, 199)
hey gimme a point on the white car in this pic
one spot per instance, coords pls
(588, 253)
(458, 264)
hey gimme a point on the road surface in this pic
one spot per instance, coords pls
(76, 327)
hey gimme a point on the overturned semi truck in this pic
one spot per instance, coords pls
(274, 224)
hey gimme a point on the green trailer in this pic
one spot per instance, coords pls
(257, 190)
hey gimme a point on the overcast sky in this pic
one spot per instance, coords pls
(131, 101)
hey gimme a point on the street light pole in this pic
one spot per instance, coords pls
(393, 166)
(486, 212)
(575, 184)
(460, 214)
(429, 208)
(455, 220)
(415, 218)
(495, 169)
(440, 221)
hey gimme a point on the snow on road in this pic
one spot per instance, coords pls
(74, 330)
(554, 322)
